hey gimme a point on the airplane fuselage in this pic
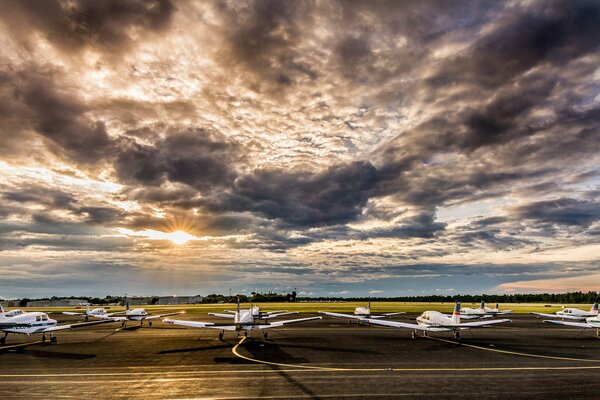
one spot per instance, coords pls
(32, 323)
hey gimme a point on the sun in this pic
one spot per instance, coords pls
(179, 237)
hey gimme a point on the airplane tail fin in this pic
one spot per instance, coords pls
(238, 304)
(595, 309)
(482, 306)
(87, 308)
(369, 306)
(126, 303)
(497, 308)
(2, 316)
(456, 314)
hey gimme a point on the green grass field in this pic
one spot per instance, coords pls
(376, 307)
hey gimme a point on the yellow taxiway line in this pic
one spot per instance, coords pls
(299, 367)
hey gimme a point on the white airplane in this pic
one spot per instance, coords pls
(590, 323)
(360, 312)
(482, 312)
(96, 312)
(256, 313)
(28, 323)
(243, 320)
(14, 313)
(572, 313)
(137, 314)
(497, 311)
(434, 321)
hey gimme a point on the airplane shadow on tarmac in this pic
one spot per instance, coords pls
(193, 349)
(274, 353)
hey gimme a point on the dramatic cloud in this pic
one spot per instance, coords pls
(350, 146)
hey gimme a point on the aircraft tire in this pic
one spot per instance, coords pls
(2, 340)
(53, 340)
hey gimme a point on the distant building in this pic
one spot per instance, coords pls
(9, 303)
(139, 300)
(57, 303)
(38, 303)
(166, 300)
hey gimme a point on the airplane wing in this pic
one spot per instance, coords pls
(165, 315)
(198, 324)
(401, 325)
(503, 312)
(221, 315)
(267, 316)
(70, 326)
(279, 324)
(110, 317)
(337, 315)
(573, 317)
(277, 312)
(470, 316)
(73, 313)
(569, 323)
(481, 324)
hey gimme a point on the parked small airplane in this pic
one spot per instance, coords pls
(243, 320)
(497, 311)
(572, 313)
(96, 312)
(434, 321)
(360, 312)
(137, 314)
(590, 323)
(14, 313)
(28, 323)
(482, 312)
(256, 313)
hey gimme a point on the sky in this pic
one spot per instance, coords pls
(343, 148)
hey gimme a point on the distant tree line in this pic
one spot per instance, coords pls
(255, 297)
(258, 297)
(569, 297)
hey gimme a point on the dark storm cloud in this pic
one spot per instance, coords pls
(39, 103)
(562, 211)
(110, 25)
(40, 195)
(553, 32)
(200, 158)
(336, 195)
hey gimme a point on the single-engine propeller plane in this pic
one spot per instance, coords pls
(29, 323)
(360, 313)
(434, 321)
(572, 313)
(243, 320)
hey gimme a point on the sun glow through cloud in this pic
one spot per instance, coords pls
(177, 237)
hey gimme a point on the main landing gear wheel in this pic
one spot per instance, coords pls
(2, 340)
(413, 335)
(598, 333)
(221, 336)
(44, 337)
(246, 334)
(150, 323)
(265, 335)
(457, 335)
(53, 340)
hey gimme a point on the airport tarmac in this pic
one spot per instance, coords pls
(319, 359)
